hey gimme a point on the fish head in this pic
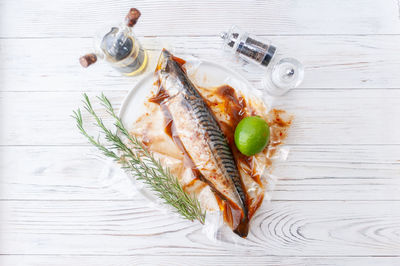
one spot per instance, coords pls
(169, 72)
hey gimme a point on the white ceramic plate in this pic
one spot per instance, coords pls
(206, 74)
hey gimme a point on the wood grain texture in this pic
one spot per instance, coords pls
(78, 173)
(65, 260)
(278, 228)
(337, 199)
(74, 18)
(332, 117)
(331, 62)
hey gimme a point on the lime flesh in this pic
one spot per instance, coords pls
(251, 135)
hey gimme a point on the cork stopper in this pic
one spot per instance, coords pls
(87, 60)
(132, 17)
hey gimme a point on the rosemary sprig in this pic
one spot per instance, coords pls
(136, 159)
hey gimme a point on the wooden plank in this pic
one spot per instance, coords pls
(331, 62)
(310, 173)
(329, 117)
(344, 143)
(65, 260)
(322, 228)
(74, 18)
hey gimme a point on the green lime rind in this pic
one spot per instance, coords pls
(251, 135)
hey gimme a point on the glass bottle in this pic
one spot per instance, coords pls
(120, 48)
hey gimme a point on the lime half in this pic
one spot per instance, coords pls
(251, 135)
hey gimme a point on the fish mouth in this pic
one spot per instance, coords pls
(163, 60)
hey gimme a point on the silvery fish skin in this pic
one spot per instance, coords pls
(202, 137)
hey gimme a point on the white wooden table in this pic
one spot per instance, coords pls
(337, 201)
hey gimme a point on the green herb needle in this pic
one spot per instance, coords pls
(137, 160)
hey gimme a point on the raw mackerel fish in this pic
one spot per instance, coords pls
(198, 134)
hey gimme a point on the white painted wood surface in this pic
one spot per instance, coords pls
(337, 201)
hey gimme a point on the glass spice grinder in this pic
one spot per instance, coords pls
(120, 48)
(282, 74)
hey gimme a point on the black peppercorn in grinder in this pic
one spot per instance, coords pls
(282, 74)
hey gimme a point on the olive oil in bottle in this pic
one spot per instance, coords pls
(120, 48)
(123, 51)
